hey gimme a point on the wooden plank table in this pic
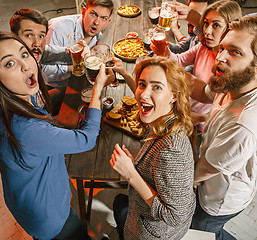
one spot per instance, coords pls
(94, 165)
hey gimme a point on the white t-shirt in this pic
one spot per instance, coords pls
(230, 145)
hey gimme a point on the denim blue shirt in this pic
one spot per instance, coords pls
(39, 195)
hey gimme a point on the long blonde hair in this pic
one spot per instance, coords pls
(229, 10)
(179, 83)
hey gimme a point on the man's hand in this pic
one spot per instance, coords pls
(187, 13)
(86, 49)
(204, 170)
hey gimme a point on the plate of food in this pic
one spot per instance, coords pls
(129, 49)
(124, 116)
(129, 11)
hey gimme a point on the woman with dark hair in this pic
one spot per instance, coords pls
(160, 202)
(34, 176)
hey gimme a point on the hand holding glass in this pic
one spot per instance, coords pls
(76, 50)
(166, 14)
(108, 59)
(109, 62)
(93, 62)
(159, 41)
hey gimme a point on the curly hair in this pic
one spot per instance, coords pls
(178, 81)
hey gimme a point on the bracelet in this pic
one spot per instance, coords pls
(181, 38)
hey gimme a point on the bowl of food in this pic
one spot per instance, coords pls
(129, 49)
(129, 11)
(108, 102)
(132, 35)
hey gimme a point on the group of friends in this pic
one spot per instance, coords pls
(216, 103)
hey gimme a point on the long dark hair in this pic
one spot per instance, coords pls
(10, 104)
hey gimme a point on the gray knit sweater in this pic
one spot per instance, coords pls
(167, 165)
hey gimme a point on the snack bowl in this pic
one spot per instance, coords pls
(129, 11)
(125, 47)
(108, 102)
(132, 35)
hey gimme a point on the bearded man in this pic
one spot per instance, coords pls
(227, 167)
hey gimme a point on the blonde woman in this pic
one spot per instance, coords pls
(160, 201)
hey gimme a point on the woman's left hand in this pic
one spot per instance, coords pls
(123, 162)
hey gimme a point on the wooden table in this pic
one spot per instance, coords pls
(94, 165)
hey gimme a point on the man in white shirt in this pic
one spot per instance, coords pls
(94, 18)
(227, 167)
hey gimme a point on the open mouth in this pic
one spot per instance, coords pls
(93, 29)
(31, 81)
(219, 71)
(146, 108)
(36, 53)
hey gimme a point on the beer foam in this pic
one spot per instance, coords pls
(76, 48)
(153, 15)
(159, 36)
(93, 62)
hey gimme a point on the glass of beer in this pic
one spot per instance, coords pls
(147, 36)
(76, 50)
(108, 59)
(93, 62)
(153, 14)
(166, 14)
(159, 40)
(109, 62)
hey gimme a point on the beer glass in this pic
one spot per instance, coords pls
(109, 62)
(166, 14)
(76, 50)
(93, 62)
(159, 40)
(147, 36)
(153, 14)
(108, 59)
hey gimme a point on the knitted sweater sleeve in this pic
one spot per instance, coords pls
(173, 174)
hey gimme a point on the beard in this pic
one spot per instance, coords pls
(231, 81)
